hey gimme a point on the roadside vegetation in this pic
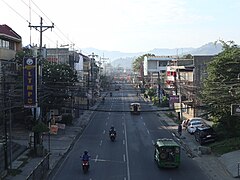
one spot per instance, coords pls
(222, 89)
(225, 146)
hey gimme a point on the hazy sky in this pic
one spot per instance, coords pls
(124, 25)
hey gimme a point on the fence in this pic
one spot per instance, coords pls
(41, 170)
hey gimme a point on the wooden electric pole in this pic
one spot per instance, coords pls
(41, 29)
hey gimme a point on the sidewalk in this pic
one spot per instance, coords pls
(60, 145)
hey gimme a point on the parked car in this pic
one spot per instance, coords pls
(185, 122)
(191, 127)
(205, 134)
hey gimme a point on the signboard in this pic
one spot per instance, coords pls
(173, 99)
(235, 109)
(177, 107)
(30, 82)
(54, 129)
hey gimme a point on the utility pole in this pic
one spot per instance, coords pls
(39, 74)
(41, 30)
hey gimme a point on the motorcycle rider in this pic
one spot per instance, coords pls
(85, 156)
(112, 131)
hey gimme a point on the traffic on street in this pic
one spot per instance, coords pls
(131, 155)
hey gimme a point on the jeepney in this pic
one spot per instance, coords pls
(135, 108)
(167, 153)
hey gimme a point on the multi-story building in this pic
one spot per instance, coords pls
(185, 77)
(155, 68)
(10, 44)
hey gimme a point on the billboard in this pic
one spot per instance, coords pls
(30, 82)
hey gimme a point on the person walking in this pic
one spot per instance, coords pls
(179, 129)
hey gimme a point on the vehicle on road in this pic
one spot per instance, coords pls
(112, 137)
(185, 122)
(205, 134)
(85, 166)
(167, 153)
(135, 108)
(191, 127)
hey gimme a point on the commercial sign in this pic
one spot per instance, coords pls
(173, 99)
(30, 82)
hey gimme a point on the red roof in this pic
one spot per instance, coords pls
(6, 30)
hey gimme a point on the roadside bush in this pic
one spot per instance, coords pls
(155, 100)
(67, 119)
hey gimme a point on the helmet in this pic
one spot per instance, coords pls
(85, 152)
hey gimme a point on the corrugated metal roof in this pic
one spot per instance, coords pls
(5, 30)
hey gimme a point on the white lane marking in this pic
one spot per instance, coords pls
(126, 147)
(148, 131)
(96, 158)
(123, 142)
(125, 178)
(141, 117)
(124, 159)
(104, 131)
(123, 132)
(106, 123)
(100, 143)
(144, 124)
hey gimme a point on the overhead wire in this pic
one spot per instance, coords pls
(15, 11)
(38, 14)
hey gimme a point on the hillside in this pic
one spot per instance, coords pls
(125, 60)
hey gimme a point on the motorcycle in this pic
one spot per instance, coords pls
(85, 166)
(112, 137)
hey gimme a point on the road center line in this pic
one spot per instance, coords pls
(96, 158)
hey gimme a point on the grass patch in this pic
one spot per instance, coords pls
(225, 146)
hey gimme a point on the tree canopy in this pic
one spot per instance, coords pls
(221, 89)
(57, 80)
(138, 61)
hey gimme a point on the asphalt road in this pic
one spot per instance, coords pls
(130, 157)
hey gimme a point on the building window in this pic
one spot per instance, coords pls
(6, 44)
(162, 63)
(11, 46)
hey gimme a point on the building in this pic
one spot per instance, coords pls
(185, 79)
(154, 70)
(10, 44)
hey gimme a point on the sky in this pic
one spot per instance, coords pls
(124, 25)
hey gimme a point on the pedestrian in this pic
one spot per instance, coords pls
(179, 129)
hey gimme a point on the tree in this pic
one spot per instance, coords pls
(138, 62)
(58, 81)
(223, 77)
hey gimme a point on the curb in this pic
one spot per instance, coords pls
(52, 171)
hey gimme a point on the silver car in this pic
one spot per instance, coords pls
(191, 127)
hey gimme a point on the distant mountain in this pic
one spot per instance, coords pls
(207, 49)
(125, 60)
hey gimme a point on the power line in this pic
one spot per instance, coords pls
(15, 11)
